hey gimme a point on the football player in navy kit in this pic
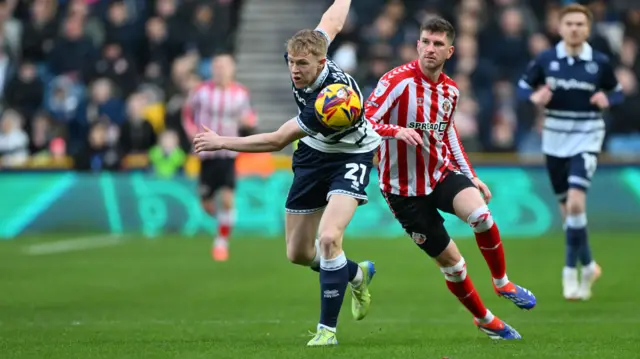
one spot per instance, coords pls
(575, 84)
(331, 171)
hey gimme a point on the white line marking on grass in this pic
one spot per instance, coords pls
(75, 244)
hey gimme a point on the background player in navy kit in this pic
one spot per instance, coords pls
(331, 171)
(577, 84)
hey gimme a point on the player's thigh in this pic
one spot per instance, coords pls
(420, 219)
(300, 235)
(227, 182)
(350, 176)
(206, 179)
(582, 167)
(334, 222)
(456, 194)
(558, 172)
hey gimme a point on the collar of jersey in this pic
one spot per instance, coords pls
(320, 80)
(586, 54)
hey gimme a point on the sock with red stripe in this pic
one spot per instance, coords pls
(225, 226)
(488, 240)
(460, 284)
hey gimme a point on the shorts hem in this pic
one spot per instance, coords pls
(362, 198)
(303, 211)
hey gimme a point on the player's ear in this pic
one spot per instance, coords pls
(322, 62)
(450, 52)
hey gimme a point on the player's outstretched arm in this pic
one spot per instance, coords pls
(334, 18)
(263, 142)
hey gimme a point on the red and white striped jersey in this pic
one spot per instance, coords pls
(222, 109)
(405, 97)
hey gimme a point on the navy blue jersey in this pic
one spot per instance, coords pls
(572, 124)
(359, 138)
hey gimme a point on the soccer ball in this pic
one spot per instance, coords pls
(338, 106)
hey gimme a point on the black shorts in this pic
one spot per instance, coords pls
(419, 215)
(571, 172)
(318, 175)
(216, 173)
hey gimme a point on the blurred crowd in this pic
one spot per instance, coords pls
(94, 81)
(496, 39)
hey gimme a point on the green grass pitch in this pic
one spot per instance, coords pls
(165, 298)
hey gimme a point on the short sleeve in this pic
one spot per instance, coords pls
(533, 75)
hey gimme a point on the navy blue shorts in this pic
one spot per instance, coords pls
(318, 175)
(571, 172)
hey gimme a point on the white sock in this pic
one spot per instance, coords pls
(589, 267)
(501, 282)
(326, 327)
(357, 280)
(487, 318)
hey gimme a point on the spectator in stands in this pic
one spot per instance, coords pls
(24, 92)
(93, 26)
(73, 52)
(136, 135)
(102, 105)
(157, 52)
(121, 29)
(42, 133)
(99, 152)
(40, 31)
(202, 37)
(11, 30)
(14, 142)
(117, 66)
(167, 158)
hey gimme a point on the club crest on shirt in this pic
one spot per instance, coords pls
(446, 107)
(591, 67)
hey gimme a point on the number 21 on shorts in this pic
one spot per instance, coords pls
(352, 175)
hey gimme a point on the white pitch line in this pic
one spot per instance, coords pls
(74, 244)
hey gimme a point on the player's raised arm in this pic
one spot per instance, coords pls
(334, 18)
(263, 142)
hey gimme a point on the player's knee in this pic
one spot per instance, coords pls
(575, 203)
(330, 240)
(227, 200)
(208, 206)
(480, 219)
(450, 256)
(299, 255)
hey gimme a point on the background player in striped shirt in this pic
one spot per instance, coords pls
(574, 83)
(331, 171)
(222, 105)
(415, 103)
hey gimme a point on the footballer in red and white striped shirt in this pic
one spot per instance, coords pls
(425, 169)
(221, 105)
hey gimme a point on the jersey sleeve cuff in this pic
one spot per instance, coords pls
(325, 34)
(305, 128)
